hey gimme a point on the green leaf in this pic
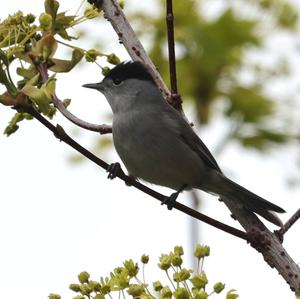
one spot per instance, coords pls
(13, 124)
(249, 104)
(34, 80)
(38, 96)
(5, 76)
(261, 139)
(51, 8)
(42, 97)
(45, 47)
(62, 23)
(63, 66)
(3, 58)
(7, 100)
(27, 73)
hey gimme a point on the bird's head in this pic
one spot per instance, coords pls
(126, 85)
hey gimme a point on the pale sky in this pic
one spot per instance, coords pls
(57, 219)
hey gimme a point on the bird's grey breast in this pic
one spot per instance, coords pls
(128, 136)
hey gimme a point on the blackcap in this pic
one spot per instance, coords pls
(157, 145)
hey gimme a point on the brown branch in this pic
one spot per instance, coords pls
(268, 244)
(102, 129)
(171, 46)
(289, 223)
(61, 135)
(174, 99)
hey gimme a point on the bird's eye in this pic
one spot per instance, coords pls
(117, 81)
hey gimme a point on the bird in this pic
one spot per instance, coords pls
(157, 145)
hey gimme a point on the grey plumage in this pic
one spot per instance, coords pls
(157, 145)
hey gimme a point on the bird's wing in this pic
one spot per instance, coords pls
(197, 145)
(191, 139)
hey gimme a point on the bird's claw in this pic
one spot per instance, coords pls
(113, 170)
(171, 200)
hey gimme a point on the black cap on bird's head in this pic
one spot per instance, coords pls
(125, 71)
(129, 70)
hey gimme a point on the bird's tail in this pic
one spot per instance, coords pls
(252, 202)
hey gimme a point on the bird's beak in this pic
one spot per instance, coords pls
(98, 86)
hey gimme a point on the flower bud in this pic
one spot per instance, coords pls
(105, 70)
(131, 267)
(83, 277)
(45, 21)
(182, 275)
(122, 3)
(199, 281)
(176, 260)
(135, 290)
(94, 285)
(201, 295)
(219, 287)
(157, 286)
(201, 251)
(30, 18)
(178, 250)
(85, 289)
(74, 287)
(113, 59)
(181, 293)
(91, 55)
(145, 259)
(105, 288)
(165, 262)
(166, 293)
(231, 295)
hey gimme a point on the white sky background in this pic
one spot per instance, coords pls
(57, 219)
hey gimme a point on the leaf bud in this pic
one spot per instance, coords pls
(145, 259)
(176, 260)
(165, 262)
(166, 293)
(74, 287)
(157, 286)
(135, 290)
(219, 287)
(83, 277)
(45, 21)
(199, 281)
(181, 293)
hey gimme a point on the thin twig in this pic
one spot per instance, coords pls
(174, 99)
(102, 129)
(290, 223)
(61, 135)
(171, 46)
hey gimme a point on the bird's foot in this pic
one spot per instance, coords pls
(171, 200)
(113, 170)
(132, 179)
